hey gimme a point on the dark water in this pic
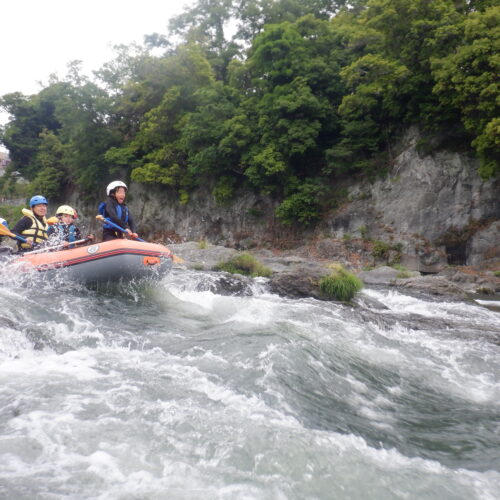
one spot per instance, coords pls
(167, 392)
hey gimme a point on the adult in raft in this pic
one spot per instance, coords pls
(33, 226)
(115, 209)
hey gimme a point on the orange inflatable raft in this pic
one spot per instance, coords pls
(114, 260)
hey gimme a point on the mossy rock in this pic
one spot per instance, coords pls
(245, 264)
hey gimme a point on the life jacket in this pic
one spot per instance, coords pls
(65, 232)
(37, 231)
(121, 211)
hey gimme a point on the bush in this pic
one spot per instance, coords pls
(245, 264)
(11, 213)
(302, 206)
(340, 284)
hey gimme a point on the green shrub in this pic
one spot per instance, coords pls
(403, 275)
(302, 206)
(340, 284)
(224, 190)
(202, 244)
(497, 273)
(381, 249)
(11, 213)
(245, 264)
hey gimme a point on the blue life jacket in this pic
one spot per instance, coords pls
(119, 211)
(59, 228)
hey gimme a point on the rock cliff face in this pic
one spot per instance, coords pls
(435, 207)
(430, 211)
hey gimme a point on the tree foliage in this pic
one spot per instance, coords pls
(468, 80)
(279, 96)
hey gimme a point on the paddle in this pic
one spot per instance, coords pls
(49, 249)
(4, 231)
(100, 218)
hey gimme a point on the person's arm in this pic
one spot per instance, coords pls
(21, 225)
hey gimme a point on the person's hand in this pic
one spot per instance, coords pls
(65, 244)
(134, 235)
(29, 241)
(90, 237)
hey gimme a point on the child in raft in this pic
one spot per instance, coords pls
(116, 210)
(64, 230)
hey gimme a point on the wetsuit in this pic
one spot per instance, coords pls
(120, 215)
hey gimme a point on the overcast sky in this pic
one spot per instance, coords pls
(39, 37)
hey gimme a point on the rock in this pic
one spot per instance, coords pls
(228, 284)
(383, 275)
(484, 247)
(298, 283)
(472, 282)
(196, 257)
(434, 285)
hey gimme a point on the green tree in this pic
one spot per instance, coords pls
(51, 165)
(467, 80)
(30, 115)
(158, 145)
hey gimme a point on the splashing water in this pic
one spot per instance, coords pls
(168, 392)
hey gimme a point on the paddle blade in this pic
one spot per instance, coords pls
(52, 220)
(177, 259)
(5, 231)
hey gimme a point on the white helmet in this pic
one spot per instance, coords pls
(115, 184)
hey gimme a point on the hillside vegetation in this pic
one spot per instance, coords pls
(305, 92)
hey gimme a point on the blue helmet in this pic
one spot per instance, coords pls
(38, 200)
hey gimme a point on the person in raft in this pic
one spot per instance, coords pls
(33, 226)
(64, 230)
(4, 222)
(4, 249)
(115, 209)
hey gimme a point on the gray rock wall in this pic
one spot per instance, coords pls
(435, 207)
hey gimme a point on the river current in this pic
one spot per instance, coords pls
(163, 391)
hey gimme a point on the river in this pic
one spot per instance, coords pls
(168, 392)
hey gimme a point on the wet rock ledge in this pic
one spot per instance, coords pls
(297, 276)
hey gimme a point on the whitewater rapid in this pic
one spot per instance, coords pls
(170, 391)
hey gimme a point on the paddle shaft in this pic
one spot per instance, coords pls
(111, 223)
(5, 231)
(48, 249)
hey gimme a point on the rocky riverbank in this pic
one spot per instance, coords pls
(296, 274)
